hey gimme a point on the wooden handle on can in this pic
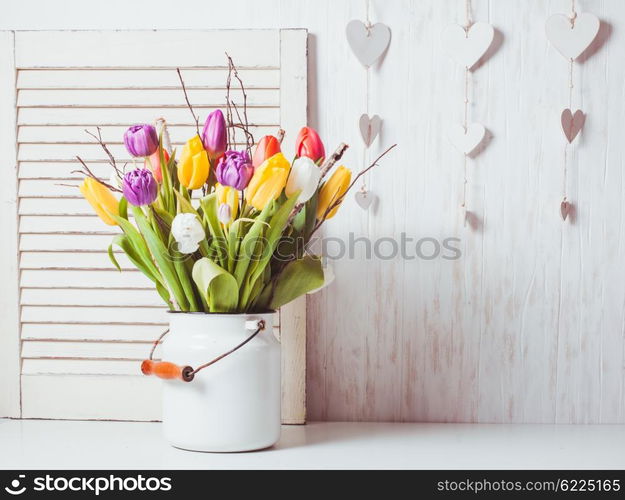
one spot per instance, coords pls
(167, 370)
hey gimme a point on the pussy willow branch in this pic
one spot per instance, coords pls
(339, 200)
(331, 160)
(280, 135)
(186, 98)
(162, 123)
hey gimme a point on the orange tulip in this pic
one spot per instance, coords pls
(154, 164)
(266, 148)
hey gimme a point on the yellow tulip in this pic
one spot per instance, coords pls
(193, 164)
(101, 199)
(268, 181)
(334, 188)
(228, 196)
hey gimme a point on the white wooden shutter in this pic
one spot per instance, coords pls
(81, 327)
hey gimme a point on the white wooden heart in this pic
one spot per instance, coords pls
(572, 39)
(364, 199)
(467, 47)
(572, 123)
(467, 140)
(369, 128)
(368, 42)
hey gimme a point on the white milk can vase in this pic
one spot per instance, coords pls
(233, 404)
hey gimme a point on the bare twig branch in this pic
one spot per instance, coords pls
(102, 144)
(245, 121)
(249, 138)
(230, 122)
(186, 98)
(87, 172)
(339, 200)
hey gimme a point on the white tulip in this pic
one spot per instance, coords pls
(304, 176)
(188, 232)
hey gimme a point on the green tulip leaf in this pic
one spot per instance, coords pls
(274, 233)
(218, 286)
(112, 257)
(162, 258)
(123, 208)
(297, 278)
(124, 242)
(209, 206)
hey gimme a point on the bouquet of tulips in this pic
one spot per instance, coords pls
(241, 245)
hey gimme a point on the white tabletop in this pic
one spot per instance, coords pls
(43, 444)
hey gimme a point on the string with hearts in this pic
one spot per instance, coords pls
(467, 44)
(369, 43)
(571, 35)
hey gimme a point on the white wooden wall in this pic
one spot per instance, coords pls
(528, 325)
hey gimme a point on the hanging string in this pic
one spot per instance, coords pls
(573, 16)
(465, 121)
(365, 151)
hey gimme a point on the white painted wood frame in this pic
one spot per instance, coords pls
(73, 329)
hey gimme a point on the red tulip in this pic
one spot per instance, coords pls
(266, 148)
(154, 164)
(309, 144)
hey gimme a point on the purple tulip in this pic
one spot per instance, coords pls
(141, 140)
(140, 187)
(214, 135)
(234, 169)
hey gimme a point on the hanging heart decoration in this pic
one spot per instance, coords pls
(364, 199)
(467, 46)
(368, 43)
(572, 123)
(565, 209)
(467, 140)
(369, 128)
(569, 36)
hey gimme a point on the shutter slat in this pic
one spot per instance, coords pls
(67, 260)
(78, 331)
(109, 115)
(69, 297)
(32, 224)
(96, 350)
(83, 279)
(92, 314)
(80, 367)
(142, 78)
(141, 97)
(110, 134)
